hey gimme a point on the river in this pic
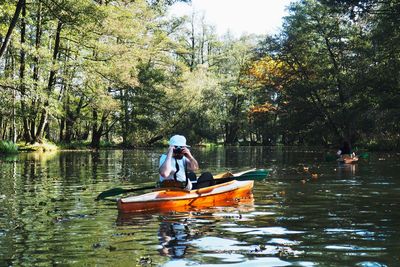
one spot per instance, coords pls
(308, 212)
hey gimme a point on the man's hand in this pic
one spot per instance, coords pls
(192, 162)
(186, 152)
(170, 150)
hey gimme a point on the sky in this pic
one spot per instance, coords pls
(238, 16)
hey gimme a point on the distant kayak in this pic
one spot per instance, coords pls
(175, 199)
(348, 160)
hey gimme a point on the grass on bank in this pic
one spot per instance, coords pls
(8, 147)
(40, 147)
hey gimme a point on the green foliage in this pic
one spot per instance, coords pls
(125, 73)
(383, 144)
(335, 82)
(8, 147)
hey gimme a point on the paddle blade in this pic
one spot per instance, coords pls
(118, 191)
(111, 192)
(259, 174)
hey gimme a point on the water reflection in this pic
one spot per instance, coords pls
(345, 169)
(347, 216)
(173, 237)
(180, 232)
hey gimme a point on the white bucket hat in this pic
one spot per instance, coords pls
(178, 140)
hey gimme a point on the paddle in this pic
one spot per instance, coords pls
(364, 155)
(247, 175)
(118, 191)
(252, 174)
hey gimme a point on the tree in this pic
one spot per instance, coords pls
(13, 22)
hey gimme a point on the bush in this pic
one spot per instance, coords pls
(383, 145)
(8, 147)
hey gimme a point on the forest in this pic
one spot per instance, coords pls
(124, 72)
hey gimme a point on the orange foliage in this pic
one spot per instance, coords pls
(269, 71)
(264, 108)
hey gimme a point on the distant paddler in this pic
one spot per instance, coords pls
(345, 154)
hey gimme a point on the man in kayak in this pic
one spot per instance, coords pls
(345, 151)
(176, 163)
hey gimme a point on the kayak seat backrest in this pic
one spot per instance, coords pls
(223, 180)
(206, 179)
(192, 176)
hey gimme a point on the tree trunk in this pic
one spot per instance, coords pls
(47, 130)
(44, 114)
(96, 135)
(71, 118)
(9, 70)
(231, 134)
(125, 123)
(11, 27)
(232, 128)
(99, 130)
(25, 115)
(35, 76)
(61, 132)
(37, 44)
(69, 125)
(4, 131)
(13, 124)
(193, 44)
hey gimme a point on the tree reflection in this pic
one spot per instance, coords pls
(176, 230)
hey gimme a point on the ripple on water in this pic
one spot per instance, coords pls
(290, 219)
(353, 248)
(264, 261)
(283, 241)
(217, 243)
(227, 257)
(264, 231)
(370, 264)
(225, 248)
(340, 230)
(257, 213)
(236, 216)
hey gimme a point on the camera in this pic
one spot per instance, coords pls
(178, 150)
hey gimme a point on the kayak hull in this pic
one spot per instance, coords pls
(162, 200)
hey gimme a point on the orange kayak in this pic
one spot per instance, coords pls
(173, 199)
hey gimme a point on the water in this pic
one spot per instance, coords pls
(341, 216)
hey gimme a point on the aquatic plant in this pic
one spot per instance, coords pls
(8, 147)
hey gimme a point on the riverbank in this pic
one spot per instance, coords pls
(7, 147)
(37, 147)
